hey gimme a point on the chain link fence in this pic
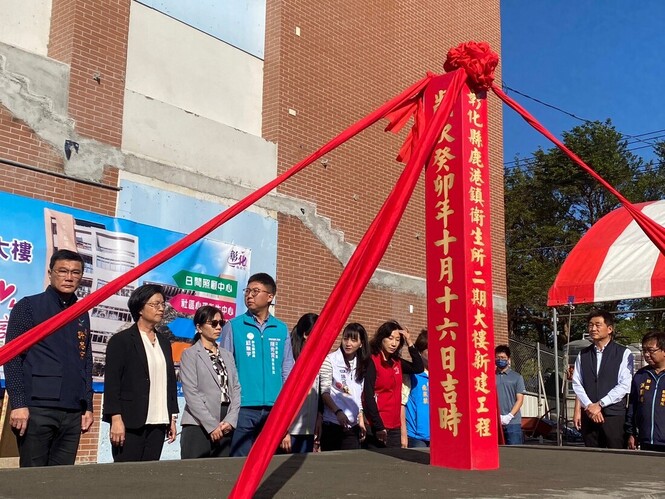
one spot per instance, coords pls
(536, 363)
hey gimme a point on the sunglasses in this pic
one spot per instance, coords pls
(215, 322)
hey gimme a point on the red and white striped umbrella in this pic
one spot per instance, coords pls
(614, 260)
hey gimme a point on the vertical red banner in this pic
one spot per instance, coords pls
(459, 286)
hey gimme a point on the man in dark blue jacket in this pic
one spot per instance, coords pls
(645, 419)
(50, 384)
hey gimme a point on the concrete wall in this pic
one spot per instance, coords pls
(194, 102)
(44, 77)
(26, 24)
(240, 23)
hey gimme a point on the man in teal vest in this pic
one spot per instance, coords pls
(257, 341)
(415, 401)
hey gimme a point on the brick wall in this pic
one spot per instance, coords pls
(311, 280)
(19, 143)
(350, 58)
(92, 38)
(87, 452)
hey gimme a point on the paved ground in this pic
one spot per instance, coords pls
(401, 473)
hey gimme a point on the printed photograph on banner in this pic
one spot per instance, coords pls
(209, 272)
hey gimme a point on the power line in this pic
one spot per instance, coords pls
(634, 138)
(552, 106)
(628, 143)
(529, 160)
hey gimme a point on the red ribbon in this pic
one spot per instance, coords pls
(477, 59)
(341, 302)
(41, 331)
(411, 108)
(653, 230)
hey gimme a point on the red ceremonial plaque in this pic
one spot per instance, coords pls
(463, 414)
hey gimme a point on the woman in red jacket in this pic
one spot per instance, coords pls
(382, 395)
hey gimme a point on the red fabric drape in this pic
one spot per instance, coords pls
(339, 305)
(37, 333)
(653, 230)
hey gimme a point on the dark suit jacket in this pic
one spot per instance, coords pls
(127, 382)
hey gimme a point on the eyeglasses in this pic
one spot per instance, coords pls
(76, 274)
(157, 304)
(650, 351)
(215, 322)
(254, 291)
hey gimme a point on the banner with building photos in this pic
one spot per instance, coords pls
(208, 273)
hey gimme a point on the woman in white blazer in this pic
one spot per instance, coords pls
(211, 388)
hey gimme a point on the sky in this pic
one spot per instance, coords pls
(596, 59)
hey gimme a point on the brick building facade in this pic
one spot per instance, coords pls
(326, 65)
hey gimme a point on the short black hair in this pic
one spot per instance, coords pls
(659, 336)
(421, 341)
(140, 297)
(204, 314)
(65, 254)
(607, 317)
(266, 280)
(502, 349)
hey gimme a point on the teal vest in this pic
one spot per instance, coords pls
(258, 359)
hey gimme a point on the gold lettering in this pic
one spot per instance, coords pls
(441, 158)
(447, 298)
(445, 134)
(478, 256)
(479, 338)
(479, 297)
(480, 384)
(476, 176)
(475, 137)
(445, 241)
(473, 118)
(477, 216)
(484, 427)
(450, 418)
(448, 358)
(443, 185)
(476, 158)
(474, 101)
(444, 211)
(445, 329)
(476, 196)
(481, 405)
(481, 361)
(479, 319)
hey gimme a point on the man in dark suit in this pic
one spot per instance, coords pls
(50, 385)
(601, 380)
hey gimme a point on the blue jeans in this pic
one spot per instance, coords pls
(250, 424)
(416, 443)
(513, 434)
(301, 444)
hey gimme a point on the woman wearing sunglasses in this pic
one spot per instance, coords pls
(211, 388)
